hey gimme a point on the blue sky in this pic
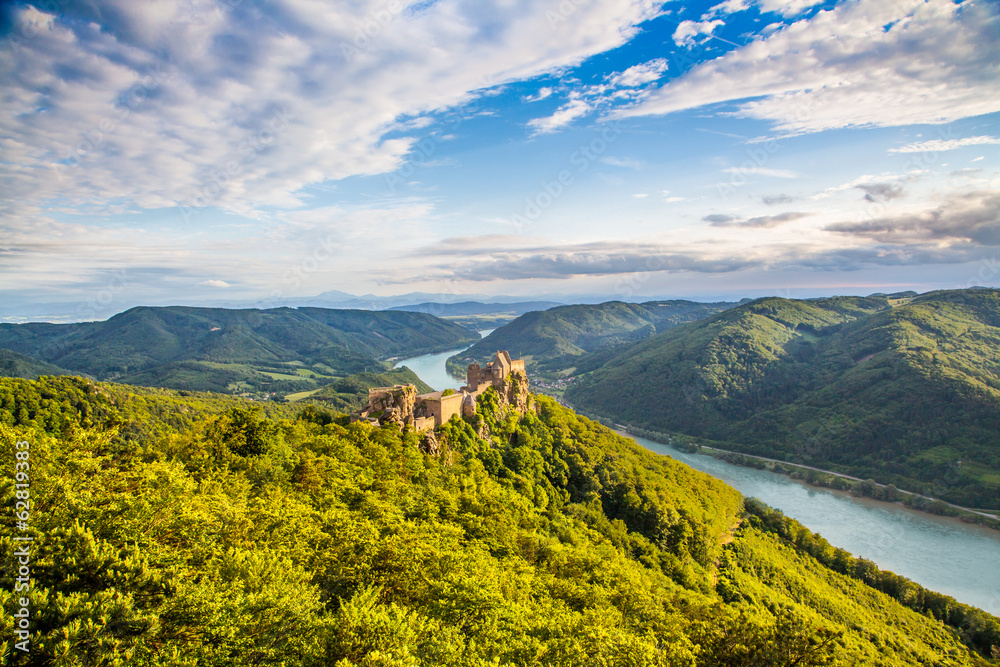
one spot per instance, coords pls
(230, 149)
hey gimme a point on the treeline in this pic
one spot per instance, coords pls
(976, 628)
(179, 529)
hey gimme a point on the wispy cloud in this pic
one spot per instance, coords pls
(624, 162)
(543, 93)
(764, 221)
(899, 63)
(936, 145)
(240, 106)
(641, 74)
(972, 217)
(563, 116)
(726, 7)
(763, 171)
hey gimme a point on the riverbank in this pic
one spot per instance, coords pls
(811, 476)
(829, 479)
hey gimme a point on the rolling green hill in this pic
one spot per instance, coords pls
(174, 530)
(553, 339)
(281, 350)
(16, 365)
(906, 394)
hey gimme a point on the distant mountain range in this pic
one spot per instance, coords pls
(89, 310)
(553, 339)
(901, 389)
(271, 351)
(476, 308)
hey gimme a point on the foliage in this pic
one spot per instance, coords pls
(906, 395)
(536, 539)
(976, 628)
(17, 365)
(554, 338)
(279, 350)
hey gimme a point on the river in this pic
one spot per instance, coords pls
(430, 367)
(939, 553)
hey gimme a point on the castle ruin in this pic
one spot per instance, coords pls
(400, 404)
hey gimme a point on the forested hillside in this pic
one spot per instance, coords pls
(191, 530)
(553, 339)
(908, 395)
(14, 365)
(280, 351)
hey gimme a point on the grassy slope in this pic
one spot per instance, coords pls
(556, 543)
(551, 339)
(907, 395)
(177, 346)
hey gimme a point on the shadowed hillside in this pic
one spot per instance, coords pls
(908, 395)
(552, 340)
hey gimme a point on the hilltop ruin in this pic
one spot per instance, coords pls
(400, 404)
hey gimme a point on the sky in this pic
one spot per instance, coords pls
(207, 150)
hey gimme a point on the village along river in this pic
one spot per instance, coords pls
(939, 553)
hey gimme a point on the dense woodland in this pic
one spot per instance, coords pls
(199, 529)
(905, 392)
(275, 352)
(552, 340)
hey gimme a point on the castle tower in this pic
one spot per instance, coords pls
(472, 376)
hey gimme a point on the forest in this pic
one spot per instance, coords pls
(183, 528)
(903, 392)
(261, 353)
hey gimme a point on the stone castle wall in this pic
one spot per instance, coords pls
(401, 405)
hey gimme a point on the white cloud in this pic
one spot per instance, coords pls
(977, 159)
(542, 94)
(214, 283)
(240, 106)
(624, 162)
(640, 195)
(863, 63)
(937, 145)
(787, 7)
(563, 116)
(727, 7)
(688, 32)
(640, 74)
(763, 171)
